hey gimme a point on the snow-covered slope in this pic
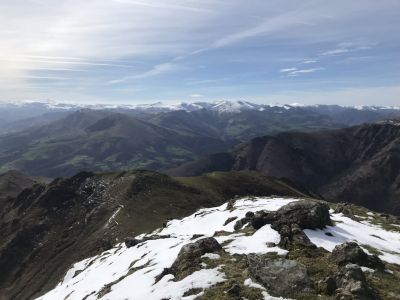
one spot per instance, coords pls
(130, 273)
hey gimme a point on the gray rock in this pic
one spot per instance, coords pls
(229, 220)
(351, 284)
(306, 214)
(189, 256)
(290, 219)
(234, 290)
(131, 242)
(262, 218)
(280, 276)
(345, 208)
(350, 252)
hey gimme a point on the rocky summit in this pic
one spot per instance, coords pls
(207, 255)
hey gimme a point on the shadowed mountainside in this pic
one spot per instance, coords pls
(358, 164)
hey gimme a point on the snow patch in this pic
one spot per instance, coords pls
(364, 233)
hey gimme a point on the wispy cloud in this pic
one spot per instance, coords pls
(113, 41)
(309, 61)
(154, 71)
(287, 70)
(160, 5)
(295, 71)
(347, 47)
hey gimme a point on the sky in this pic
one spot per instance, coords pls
(143, 51)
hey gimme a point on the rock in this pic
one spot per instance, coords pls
(350, 252)
(131, 242)
(249, 214)
(306, 214)
(345, 209)
(327, 286)
(189, 256)
(262, 218)
(231, 205)
(231, 219)
(196, 236)
(240, 223)
(281, 277)
(234, 290)
(351, 284)
(292, 235)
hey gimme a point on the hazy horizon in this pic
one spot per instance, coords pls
(134, 51)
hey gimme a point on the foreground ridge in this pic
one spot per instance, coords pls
(217, 253)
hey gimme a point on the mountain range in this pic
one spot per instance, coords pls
(62, 140)
(357, 164)
(222, 200)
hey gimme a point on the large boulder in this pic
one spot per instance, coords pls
(350, 252)
(307, 214)
(280, 276)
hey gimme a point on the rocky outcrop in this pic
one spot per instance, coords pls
(280, 276)
(352, 253)
(307, 214)
(188, 258)
(352, 284)
(290, 220)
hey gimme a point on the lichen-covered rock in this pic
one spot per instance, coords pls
(280, 276)
(351, 284)
(189, 256)
(345, 209)
(292, 235)
(350, 252)
(305, 213)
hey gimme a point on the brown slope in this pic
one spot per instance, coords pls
(13, 182)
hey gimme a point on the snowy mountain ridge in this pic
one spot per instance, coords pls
(221, 106)
(149, 266)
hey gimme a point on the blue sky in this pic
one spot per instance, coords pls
(140, 51)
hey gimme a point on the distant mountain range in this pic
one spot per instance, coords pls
(57, 140)
(359, 164)
(17, 116)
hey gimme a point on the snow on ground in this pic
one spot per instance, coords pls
(149, 258)
(129, 273)
(364, 233)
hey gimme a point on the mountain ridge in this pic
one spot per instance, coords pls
(358, 164)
